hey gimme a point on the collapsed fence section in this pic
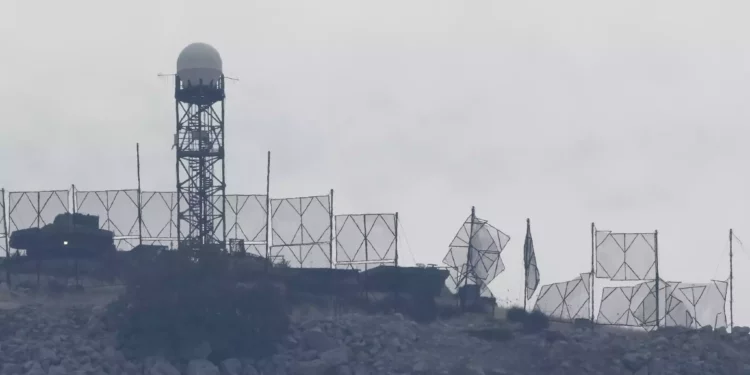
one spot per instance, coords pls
(365, 241)
(690, 305)
(302, 231)
(474, 255)
(567, 300)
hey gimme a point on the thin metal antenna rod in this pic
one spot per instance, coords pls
(526, 263)
(7, 240)
(731, 279)
(593, 269)
(656, 260)
(269, 212)
(331, 238)
(140, 203)
(462, 295)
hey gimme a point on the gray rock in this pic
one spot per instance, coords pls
(317, 340)
(161, 367)
(336, 357)
(634, 361)
(35, 369)
(249, 370)
(314, 367)
(231, 366)
(420, 366)
(202, 367)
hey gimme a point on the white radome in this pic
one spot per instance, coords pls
(199, 61)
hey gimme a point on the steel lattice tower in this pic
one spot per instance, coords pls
(199, 143)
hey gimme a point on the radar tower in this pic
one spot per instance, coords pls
(199, 143)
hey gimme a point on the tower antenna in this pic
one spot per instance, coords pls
(199, 143)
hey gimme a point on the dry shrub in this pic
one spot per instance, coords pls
(174, 303)
(536, 321)
(516, 314)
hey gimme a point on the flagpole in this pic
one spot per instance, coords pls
(526, 263)
(731, 280)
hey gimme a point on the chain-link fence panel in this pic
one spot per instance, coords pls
(301, 231)
(117, 211)
(35, 209)
(366, 238)
(247, 222)
(566, 300)
(625, 256)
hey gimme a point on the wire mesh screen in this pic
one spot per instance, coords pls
(247, 220)
(159, 215)
(625, 256)
(366, 238)
(474, 255)
(680, 304)
(35, 209)
(301, 230)
(632, 306)
(117, 211)
(566, 300)
(704, 304)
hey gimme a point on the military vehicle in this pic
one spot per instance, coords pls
(70, 235)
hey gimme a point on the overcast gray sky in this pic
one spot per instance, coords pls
(630, 114)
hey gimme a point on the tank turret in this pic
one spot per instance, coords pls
(70, 235)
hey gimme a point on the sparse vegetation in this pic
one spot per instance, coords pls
(501, 333)
(516, 314)
(174, 303)
(536, 321)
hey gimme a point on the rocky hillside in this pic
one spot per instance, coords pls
(67, 336)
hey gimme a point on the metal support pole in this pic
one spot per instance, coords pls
(395, 234)
(397, 284)
(73, 201)
(731, 280)
(526, 263)
(7, 241)
(592, 294)
(656, 261)
(330, 234)
(269, 212)
(139, 198)
(177, 142)
(462, 294)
